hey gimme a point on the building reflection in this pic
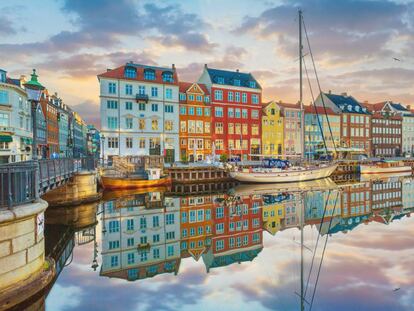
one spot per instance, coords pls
(146, 234)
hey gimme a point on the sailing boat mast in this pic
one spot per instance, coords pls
(302, 117)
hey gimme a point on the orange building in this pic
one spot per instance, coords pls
(195, 122)
(196, 225)
(50, 109)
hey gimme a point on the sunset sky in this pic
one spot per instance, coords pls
(354, 43)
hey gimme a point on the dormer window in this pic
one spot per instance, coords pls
(342, 107)
(149, 74)
(236, 82)
(349, 107)
(252, 84)
(167, 76)
(220, 80)
(130, 72)
(357, 108)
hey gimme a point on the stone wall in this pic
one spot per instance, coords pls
(21, 243)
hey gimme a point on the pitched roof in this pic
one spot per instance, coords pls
(288, 105)
(347, 104)
(184, 86)
(311, 109)
(119, 73)
(230, 76)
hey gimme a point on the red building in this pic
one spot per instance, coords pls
(236, 111)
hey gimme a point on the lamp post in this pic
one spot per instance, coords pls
(34, 91)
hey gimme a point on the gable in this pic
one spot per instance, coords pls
(195, 89)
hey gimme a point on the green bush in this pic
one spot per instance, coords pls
(223, 157)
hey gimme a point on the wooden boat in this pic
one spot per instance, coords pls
(385, 167)
(288, 175)
(153, 178)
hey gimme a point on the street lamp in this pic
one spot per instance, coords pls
(34, 91)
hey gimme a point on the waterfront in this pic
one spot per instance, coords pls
(178, 266)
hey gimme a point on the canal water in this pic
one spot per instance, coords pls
(328, 246)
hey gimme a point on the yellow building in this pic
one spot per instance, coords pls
(273, 214)
(272, 130)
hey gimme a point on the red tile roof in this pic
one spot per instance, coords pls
(321, 110)
(184, 86)
(119, 73)
(287, 105)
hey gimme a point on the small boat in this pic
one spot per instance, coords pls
(284, 175)
(153, 178)
(385, 167)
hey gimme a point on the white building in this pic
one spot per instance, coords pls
(15, 121)
(139, 111)
(142, 238)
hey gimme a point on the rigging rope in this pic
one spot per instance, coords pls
(319, 85)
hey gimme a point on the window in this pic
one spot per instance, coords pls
(219, 212)
(199, 98)
(207, 128)
(128, 123)
(169, 219)
(244, 98)
(244, 114)
(191, 111)
(130, 73)
(255, 100)
(218, 95)
(168, 93)
(131, 258)
(111, 104)
(128, 142)
(231, 128)
(141, 123)
(191, 97)
(130, 242)
(170, 235)
(244, 129)
(183, 110)
(230, 112)
(156, 253)
(219, 245)
(207, 112)
(238, 97)
(141, 106)
(4, 119)
(219, 228)
(113, 226)
(141, 90)
(111, 88)
(218, 112)
(128, 89)
(169, 108)
(200, 215)
(183, 126)
(199, 111)
(167, 76)
(155, 238)
(219, 144)
(219, 128)
(255, 129)
(112, 122)
(128, 105)
(199, 127)
(237, 113)
(154, 107)
(170, 250)
(255, 114)
(113, 244)
(155, 221)
(142, 223)
(154, 91)
(168, 125)
(130, 224)
(236, 82)
(144, 256)
(182, 96)
(230, 96)
(149, 74)
(252, 84)
(154, 125)
(206, 99)
(113, 142)
(220, 80)
(114, 261)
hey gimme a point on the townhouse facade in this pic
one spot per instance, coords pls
(15, 121)
(355, 120)
(140, 111)
(322, 126)
(195, 121)
(236, 112)
(291, 128)
(272, 130)
(386, 133)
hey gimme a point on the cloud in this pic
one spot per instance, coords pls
(348, 30)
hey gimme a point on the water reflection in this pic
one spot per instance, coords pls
(158, 239)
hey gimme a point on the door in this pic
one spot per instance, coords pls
(169, 156)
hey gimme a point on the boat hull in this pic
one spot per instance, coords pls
(285, 176)
(375, 170)
(131, 183)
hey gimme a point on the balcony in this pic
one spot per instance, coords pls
(141, 98)
(7, 129)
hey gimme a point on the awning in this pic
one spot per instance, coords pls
(6, 138)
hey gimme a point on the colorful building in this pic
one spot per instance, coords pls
(272, 130)
(139, 111)
(317, 118)
(196, 225)
(236, 115)
(195, 121)
(52, 135)
(273, 211)
(15, 121)
(93, 141)
(355, 120)
(386, 133)
(386, 193)
(291, 128)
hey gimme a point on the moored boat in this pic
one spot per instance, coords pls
(385, 167)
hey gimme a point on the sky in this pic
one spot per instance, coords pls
(354, 43)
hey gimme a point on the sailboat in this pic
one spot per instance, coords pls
(279, 171)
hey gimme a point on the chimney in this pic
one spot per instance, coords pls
(173, 67)
(108, 69)
(205, 65)
(344, 94)
(329, 92)
(237, 70)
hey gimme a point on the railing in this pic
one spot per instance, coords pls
(24, 182)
